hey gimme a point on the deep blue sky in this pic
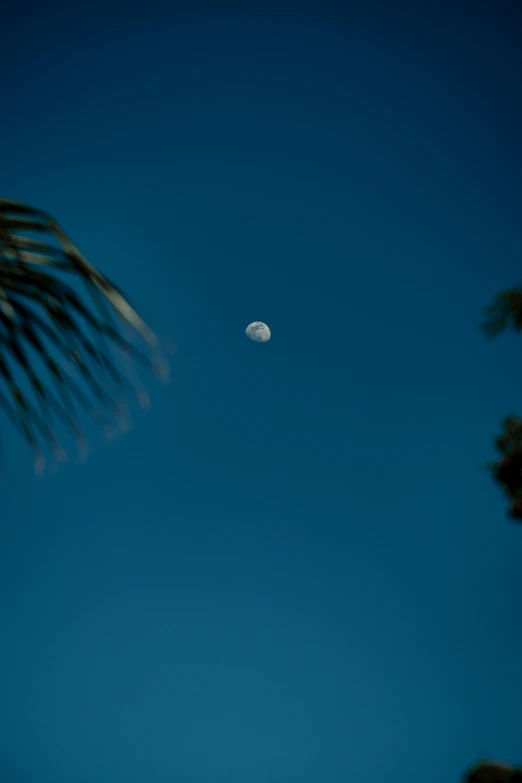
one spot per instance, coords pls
(295, 568)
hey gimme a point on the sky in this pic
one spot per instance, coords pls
(295, 568)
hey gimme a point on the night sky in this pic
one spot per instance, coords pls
(295, 568)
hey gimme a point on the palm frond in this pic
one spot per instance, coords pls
(504, 313)
(43, 319)
(510, 438)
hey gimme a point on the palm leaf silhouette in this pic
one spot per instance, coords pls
(504, 313)
(44, 321)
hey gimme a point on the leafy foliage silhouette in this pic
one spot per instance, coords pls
(493, 772)
(506, 313)
(63, 346)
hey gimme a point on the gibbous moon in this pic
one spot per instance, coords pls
(258, 332)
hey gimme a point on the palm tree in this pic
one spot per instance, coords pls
(61, 345)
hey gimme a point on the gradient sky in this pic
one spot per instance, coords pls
(295, 568)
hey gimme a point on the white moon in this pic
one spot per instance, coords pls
(258, 332)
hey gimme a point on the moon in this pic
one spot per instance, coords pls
(258, 332)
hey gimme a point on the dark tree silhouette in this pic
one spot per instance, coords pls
(72, 353)
(506, 313)
(493, 772)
